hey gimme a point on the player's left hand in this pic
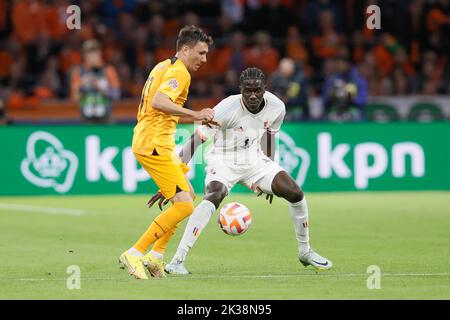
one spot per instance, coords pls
(211, 123)
(157, 196)
(269, 197)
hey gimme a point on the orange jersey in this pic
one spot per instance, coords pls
(156, 129)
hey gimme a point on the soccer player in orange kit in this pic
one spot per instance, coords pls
(160, 109)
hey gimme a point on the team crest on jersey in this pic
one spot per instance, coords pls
(173, 83)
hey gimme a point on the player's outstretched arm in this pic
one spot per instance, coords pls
(162, 102)
(268, 147)
(188, 149)
(268, 144)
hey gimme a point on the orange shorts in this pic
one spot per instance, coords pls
(167, 171)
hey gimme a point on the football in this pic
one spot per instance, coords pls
(234, 218)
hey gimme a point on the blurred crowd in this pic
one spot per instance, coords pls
(306, 48)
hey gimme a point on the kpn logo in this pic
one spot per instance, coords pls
(368, 160)
(48, 164)
(371, 160)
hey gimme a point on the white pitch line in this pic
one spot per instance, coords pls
(324, 273)
(39, 209)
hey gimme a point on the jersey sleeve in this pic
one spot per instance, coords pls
(174, 82)
(221, 115)
(276, 125)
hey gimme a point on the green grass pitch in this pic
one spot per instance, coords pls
(405, 234)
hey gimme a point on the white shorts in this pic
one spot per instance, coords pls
(259, 175)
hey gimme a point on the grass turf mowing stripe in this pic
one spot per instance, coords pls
(39, 209)
(320, 274)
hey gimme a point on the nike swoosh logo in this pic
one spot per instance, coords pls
(322, 264)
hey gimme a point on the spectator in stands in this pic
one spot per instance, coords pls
(275, 18)
(290, 84)
(155, 37)
(56, 17)
(6, 61)
(28, 20)
(344, 93)
(404, 73)
(49, 84)
(382, 51)
(94, 84)
(438, 26)
(231, 85)
(38, 53)
(201, 88)
(429, 81)
(308, 19)
(262, 55)
(191, 18)
(233, 9)
(328, 41)
(4, 17)
(295, 46)
(222, 29)
(402, 61)
(400, 80)
(232, 55)
(112, 9)
(407, 56)
(3, 118)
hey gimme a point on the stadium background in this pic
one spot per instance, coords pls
(367, 110)
(392, 79)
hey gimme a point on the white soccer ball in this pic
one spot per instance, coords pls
(234, 218)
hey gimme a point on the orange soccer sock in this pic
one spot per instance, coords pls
(161, 243)
(163, 224)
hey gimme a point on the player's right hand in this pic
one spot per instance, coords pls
(269, 197)
(211, 124)
(157, 196)
(206, 114)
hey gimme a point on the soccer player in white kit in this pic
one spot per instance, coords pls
(246, 120)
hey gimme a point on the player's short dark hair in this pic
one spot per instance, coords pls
(253, 74)
(190, 35)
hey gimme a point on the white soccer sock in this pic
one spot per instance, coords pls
(299, 216)
(135, 252)
(197, 221)
(157, 255)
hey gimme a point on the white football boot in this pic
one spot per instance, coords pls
(176, 267)
(314, 259)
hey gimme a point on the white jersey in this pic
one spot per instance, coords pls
(237, 141)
